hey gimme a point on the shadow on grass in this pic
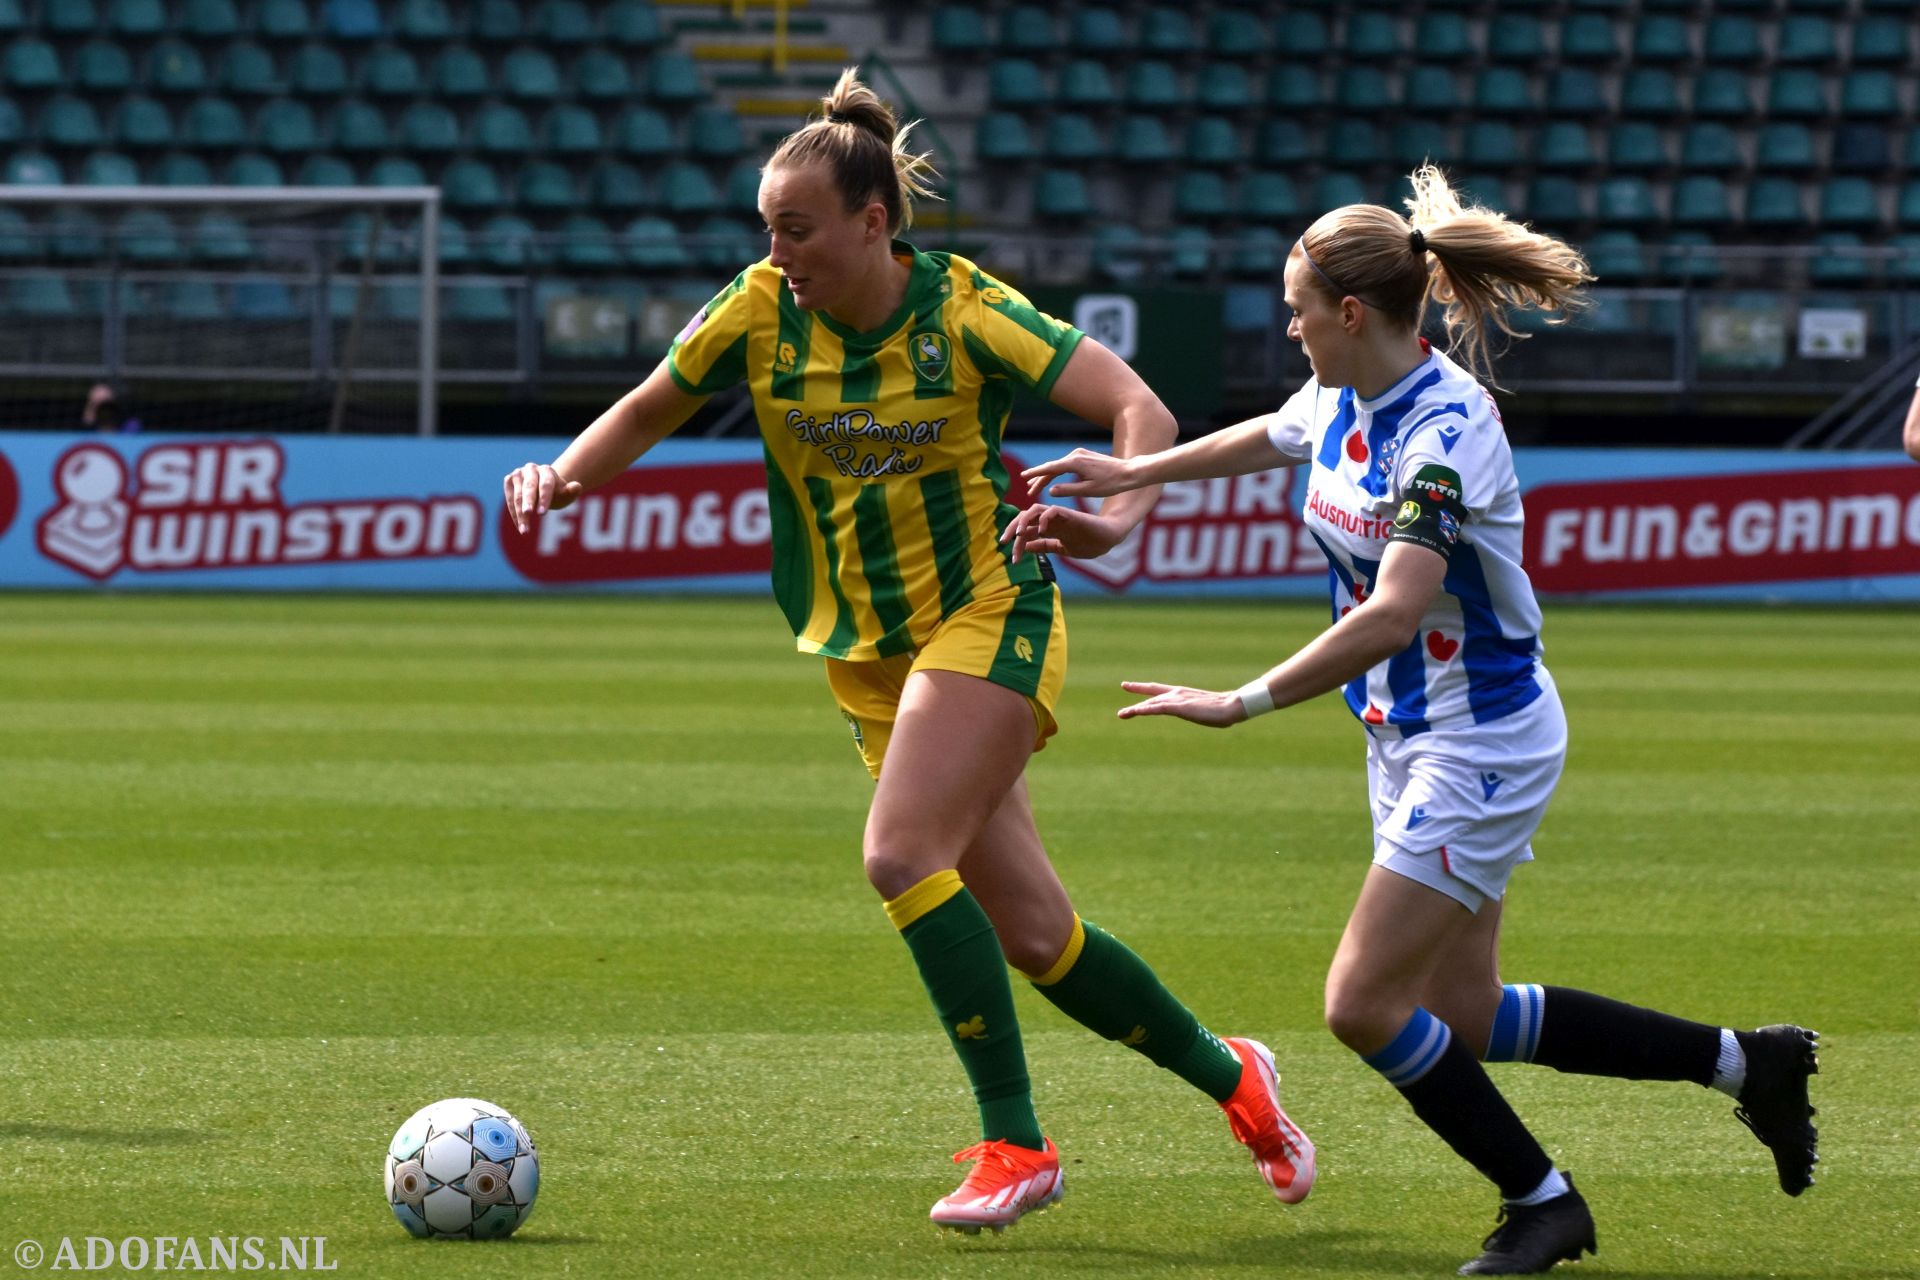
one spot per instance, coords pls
(106, 1137)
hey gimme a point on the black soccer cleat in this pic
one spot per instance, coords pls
(1773, 1101)
(1530, 1239)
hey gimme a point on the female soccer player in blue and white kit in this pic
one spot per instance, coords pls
(1435, 640)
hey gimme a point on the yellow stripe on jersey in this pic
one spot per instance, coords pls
(885, 481)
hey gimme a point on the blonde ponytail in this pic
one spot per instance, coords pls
(865, 147)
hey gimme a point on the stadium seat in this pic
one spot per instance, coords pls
(389, 71)
(1258, 253)
(586, 244)
(430, 128)
(616, 185)
(1662, 38)
(13, 126)
(1862, 148)
(283, 20)
(1839, 263)
(209, 19)
(1709, 146)
(726, 244)
(1867, 95)
(1625, 201)
(1516, 38)
(1164, 30)
(1432, 91)
(67, 121)
(685, 187)
(1301, 35)
(18, 240)
(715, 133)
(1370, 35)
(251, 169)
(570, 129)
(1555, 202)
(247, 70)
(672, 76)
(424, 20)
(1003, 137)
(1200, 194)
(1616, 257)
(218, 236)
(1504, 91)
(212, 124)
(563, 22)
(403, 171)
(180, 169)
(353, 19)
(1700, 200)
(192, 299)
(286, 125)
(1649, 91)
(1270, 197)
(317, 71)
(1577, 91)
(148, 235)
(1152, 83)
(31, 63)
(69, 17)
(1784, 146)
(642, 131)
(1636, 146)
(458, 71)
(1906, 267)
(497, 21)
(1212, 141)
(456, 246)
(1775, 202)
(1563, 144)
(508, 242)
(1801, 93)
(75, 235)
(1084, 82)
(1292, 87)
(529, 73)
(1880, 40)
(600, 74)
(33, 169)
(1416, 142)
(1061, 194)
(1072, 137)
(652, 244)
(1232, 33)
(1027, 28)
(1285, 141)
(109, 169)
(1588, 37)
(1189, 252)
(1144, 140)
(1225, 86)
(1490, 144)
(263, 298)
(499, 128)
(102, 66)
(959, 28)
(1732, 40)
(357, 127)
(1117, 252)
(325, 171)
(1721, 93)
(1444, 37)
(1365, 89)
(140, 18)
(1806, 39)
(471, 184)
(1336, 190)
(1907, 210)
(1848, 202)
(1688, 258)
(42, 297)
(633, 24)
(1354, 144)
(174, 66)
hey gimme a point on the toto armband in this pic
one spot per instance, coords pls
(1431, 515)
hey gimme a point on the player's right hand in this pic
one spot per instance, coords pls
(535, 489)
(1099, 475)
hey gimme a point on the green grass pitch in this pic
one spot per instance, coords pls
(278, 871)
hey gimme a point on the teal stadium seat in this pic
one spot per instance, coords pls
(1072, 138)
(1061, 195)
(1775, 203)
(685, 187)
(1662, 38)
(1784, 146)
(67, 121)
(672, 76)
(1225, 86)
(42, 297)
(724, 244)
(500, 128)
(1722, 94)
(1214, 142)
(1144, 140)
(570, 129)
(1291, 87)
(1910, 151)
(1849, 202)
(1635, 146)
(218, 236)
(1616, 257)
(1907, 208)
(1906, 268)
(1285, 141)
(1354, 144)
(149, 236)
(1701, 200)
(1732, 40)
(1432, 91)
(428, 21)
(563, 23)
(1117, 252)
(1301, 35)
(213, 124)
(389, 71)
(1868, 95)
(1444, 37)
(1189, 252)
(18, 241)
(353, 19)
(1688, 258)
(1370, 35)
(456, 248)
(1152, 83)
(13, 17)
(458, 71)
(1027, 28)
(1270, 197)
(632, 24)
(959, 28)
(1861, 148)
(263, 299)
(192, 299)
(1840, 264)
(208, 19)
(652, 244)
(357, 127)
(1504, 91)
(1577, 91)
(497, 21)
(1708, 146)
(142, 19)
(1233, 33)
(286, 126)
(617, 186)
(69, 17)
(1084, 82)
(404, 171)
(1201, 194)
(33, 169)
(468, 183)
(75, 235)
(325, 171)
(1490, 144)
(1167, 31)
(1563, 144)
(1801, 93)
(430, 128)
(1625, 201)
(1417, 141)
(1880, 40)
(1555, 202)
(1516, 38)
(31, 63)
(102, 66)
(317, 71)
(174, 66)
(284, 20)
(529, 74)
(247, 70)
(1003, 137)
(644, 132)
(1336, 190)
(1649, 91)
(587, 245)
(109, 169)
(1365, 89)
(601, 75)
(13, 125)
(1806, 39)
(1588, 37)
(715, 134)
(180, 169)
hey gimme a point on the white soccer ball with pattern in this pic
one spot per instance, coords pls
(462, 1168)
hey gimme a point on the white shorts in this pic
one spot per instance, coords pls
(1456, 811)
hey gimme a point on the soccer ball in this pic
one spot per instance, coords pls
(462, 1168)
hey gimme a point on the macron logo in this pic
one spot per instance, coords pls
(1449, 437)
(1490, 783)
(1418, 816)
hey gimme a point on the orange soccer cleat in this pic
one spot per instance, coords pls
(1282, 1153)
(1006, 1184)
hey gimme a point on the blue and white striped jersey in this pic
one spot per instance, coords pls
(1477, 656)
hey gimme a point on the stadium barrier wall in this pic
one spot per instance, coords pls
(301, 513)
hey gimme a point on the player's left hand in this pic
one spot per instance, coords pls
(1201, 706)
(1043, 529)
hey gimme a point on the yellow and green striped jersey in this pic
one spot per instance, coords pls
(884, 478)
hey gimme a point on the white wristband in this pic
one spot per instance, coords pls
(1256, 698)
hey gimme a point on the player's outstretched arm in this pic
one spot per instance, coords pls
(637, 421)
(1383, 625)
(1240, 449)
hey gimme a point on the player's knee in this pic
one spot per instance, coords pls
(1357, 1018)
(892, 872)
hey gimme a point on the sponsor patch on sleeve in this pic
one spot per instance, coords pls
(1430, 515)
(699, 318)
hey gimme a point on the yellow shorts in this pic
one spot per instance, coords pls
(1017, 639)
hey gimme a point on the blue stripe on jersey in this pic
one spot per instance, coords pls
(1386, 425)
(1337, 431)
(1407, 679)
(1356, 688)
(1500, 677)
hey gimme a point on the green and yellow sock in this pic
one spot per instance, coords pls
(954, 945)
(1104, 986)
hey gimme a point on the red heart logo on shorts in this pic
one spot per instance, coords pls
(1441, 647)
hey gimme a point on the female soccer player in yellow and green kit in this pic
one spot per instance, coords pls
(882, 378)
